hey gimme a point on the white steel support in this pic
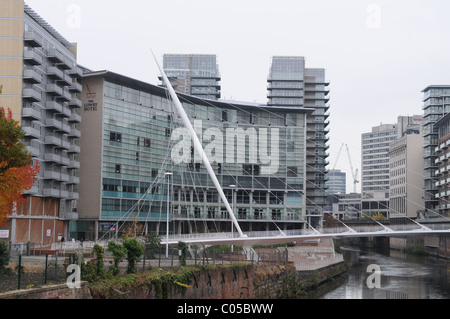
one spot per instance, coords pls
(198, 146)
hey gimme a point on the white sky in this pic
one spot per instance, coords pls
(379, 54)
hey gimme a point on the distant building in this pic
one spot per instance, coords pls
(406, 176)
(442, 181)
(194, 74)
(436, 105)
(337, 182)
(292, 85)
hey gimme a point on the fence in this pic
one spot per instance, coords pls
(48, 265)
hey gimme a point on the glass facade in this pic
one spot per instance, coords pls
(257, 153)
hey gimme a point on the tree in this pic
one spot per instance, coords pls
(17, 171)
(119, 252)
(134, 252)
(12, 150)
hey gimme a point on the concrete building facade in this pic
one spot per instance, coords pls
(41, 85)
(406, 176)
(291, 84)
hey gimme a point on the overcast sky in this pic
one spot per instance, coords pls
(378, 55)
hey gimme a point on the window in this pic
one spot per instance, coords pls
(115, 137)
(292, 171)
(254, 170)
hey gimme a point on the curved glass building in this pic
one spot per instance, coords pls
(139, 169)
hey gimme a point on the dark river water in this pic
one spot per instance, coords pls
(398, 276)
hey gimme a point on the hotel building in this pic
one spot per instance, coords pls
(132, 139)
(41, 85)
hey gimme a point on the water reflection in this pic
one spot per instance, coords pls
(402, 276)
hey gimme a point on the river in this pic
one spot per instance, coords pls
(400, 276)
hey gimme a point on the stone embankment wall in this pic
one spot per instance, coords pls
(266, 281)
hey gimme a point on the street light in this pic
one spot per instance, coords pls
(233, 208)
(168, 174)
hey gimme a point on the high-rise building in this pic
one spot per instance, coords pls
(193, 74)
(442, 180)
(337, 182)
(40, 80)
(375, 159)
(436, 105)
(406, 176)
(133, 137)
(292, 85)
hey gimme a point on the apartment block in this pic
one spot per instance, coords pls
(193, 74)
(436, 104)
(41, 85)
(292, 85)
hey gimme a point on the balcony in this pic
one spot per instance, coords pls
(31, 132)
(67, 80)
(74, 196)
(52, 158)
(53, 140)
(65, 161)
(65, 95)
(53, 123)
(32, 39)
(73, 180)
(54, 72)
(54, 89)
(76, 72)
(74, 133)
(75, 118)
(32, 57)
(74, 149)
(55, 56)
(54, 106)
(31, 76)
(65, 128)
(52, 175)
(65, 144)
(66, 111)
(33, 151)
(76, 87)
(74, 164)
(66, 64)
(30, 112)
(51, 192)
(32, 95)
(74, 102)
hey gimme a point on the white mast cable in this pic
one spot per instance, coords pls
(198, 146)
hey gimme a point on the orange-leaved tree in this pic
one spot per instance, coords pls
(17, 170)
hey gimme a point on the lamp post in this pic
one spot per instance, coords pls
(233, 209)
(168, 174)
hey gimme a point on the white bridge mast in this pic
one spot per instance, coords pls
(198, 146)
